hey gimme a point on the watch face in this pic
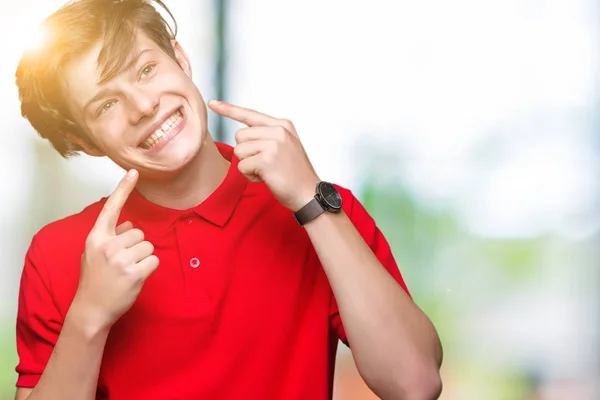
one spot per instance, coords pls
(330, 195)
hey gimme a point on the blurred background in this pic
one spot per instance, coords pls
(469, 129)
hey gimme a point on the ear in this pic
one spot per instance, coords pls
(87, 147)
(182, 58)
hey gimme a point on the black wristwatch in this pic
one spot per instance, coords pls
(327, 198)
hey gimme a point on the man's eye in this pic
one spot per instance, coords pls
(107, 106)
(148, 69)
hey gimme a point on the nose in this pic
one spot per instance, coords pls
(143, 104)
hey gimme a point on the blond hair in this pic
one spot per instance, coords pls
(73, 29)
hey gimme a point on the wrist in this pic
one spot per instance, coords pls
(87, 320)
(325, 198)
(306, 192)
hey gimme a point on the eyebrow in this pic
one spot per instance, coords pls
(127, 67)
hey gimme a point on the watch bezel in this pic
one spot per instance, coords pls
(323, 199)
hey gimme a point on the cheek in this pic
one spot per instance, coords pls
(108, 132)
(177, 81)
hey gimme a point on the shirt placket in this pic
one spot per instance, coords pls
(194, 272)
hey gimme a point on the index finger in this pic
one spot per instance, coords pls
(241, 114)
(109, 215)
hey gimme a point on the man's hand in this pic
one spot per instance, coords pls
(115, 264)
(269, 150)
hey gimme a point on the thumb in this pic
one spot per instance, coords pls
(124, 227)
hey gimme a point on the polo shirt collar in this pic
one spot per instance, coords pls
(217, 208)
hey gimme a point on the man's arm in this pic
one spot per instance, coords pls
(395, 346)
(114, 266)
(72, 371)
(23, 393)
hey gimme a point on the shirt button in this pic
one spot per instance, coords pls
(194, 263)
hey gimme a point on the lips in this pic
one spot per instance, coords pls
(163, 131)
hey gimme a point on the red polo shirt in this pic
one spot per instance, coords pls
(239, 308)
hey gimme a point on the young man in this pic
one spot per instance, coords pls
(211, 272)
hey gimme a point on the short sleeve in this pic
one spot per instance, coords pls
(38, 320)
(369, 231)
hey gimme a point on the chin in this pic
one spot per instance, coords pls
(183, 156)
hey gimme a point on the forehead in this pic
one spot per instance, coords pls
(82, 74)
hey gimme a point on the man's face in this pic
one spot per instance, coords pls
(150, 116)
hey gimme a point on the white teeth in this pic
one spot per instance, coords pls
(164, 130)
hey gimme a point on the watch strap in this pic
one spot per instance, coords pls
(310, 211)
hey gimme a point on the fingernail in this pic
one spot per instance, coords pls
(131, 173)
(214, 102)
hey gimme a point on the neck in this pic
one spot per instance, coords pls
(192, 185)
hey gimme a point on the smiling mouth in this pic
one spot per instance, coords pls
(163, 132)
